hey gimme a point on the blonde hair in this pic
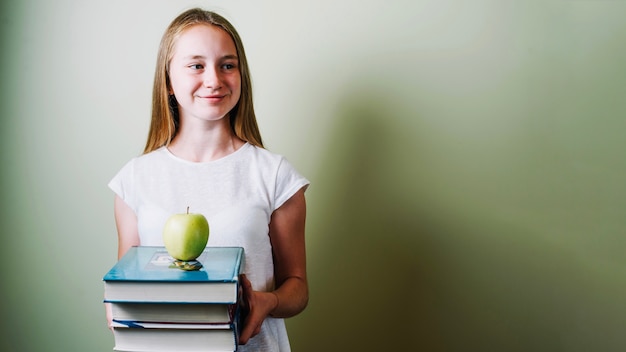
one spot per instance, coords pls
(165, 120)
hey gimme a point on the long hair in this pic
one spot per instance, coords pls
(165, 118)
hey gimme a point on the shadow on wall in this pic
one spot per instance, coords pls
(397, 259)
(376, 258)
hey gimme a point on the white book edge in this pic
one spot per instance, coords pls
(148, 325)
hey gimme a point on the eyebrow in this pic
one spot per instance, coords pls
(196, 57)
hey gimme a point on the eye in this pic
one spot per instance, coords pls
(229, 66)
(196, 66)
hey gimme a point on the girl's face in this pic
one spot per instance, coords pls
(204, 73)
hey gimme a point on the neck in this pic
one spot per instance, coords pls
(204, 143)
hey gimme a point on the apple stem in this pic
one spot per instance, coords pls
(187, 210)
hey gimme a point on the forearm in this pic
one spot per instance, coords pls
(291, 298)
(288, 246)
(126, 222)
(109, 314)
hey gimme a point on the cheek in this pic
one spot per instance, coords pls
(235, 86)
(174, 84)
(179, 81)
(183, 88)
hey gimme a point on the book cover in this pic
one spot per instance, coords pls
(132, 335)
(208, 313)
(157, 337)
(148, 274)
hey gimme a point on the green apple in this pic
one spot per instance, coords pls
(185, 235)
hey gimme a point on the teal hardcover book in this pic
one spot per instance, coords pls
(164, 337)
(206, 313)
(149, 275)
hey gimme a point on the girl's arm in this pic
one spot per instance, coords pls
(288, 245)
(126, 222)
(292, 291)
(127, 234)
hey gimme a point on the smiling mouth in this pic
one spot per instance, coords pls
(212, 98)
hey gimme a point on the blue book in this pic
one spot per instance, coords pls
(149, 275)
(163, 337)
(200, 313)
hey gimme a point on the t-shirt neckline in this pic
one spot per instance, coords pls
(166, 150)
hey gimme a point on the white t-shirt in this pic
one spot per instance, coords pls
(237, 194)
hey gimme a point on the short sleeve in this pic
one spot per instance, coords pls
(121, 184)
(288, 182)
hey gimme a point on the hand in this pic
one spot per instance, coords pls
(256, 306)
(109, 315)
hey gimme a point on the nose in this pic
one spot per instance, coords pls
(211, 78)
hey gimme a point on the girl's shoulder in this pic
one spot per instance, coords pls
(262, 153)
(155, 157)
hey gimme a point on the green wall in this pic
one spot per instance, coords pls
(467, 165)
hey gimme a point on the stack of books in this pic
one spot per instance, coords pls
(157, 306)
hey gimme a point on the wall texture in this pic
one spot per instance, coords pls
(466, 158)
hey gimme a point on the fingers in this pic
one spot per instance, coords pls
(246, 285)
(251, 320)
(250, 330)
(255, 308)
(247, 330)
